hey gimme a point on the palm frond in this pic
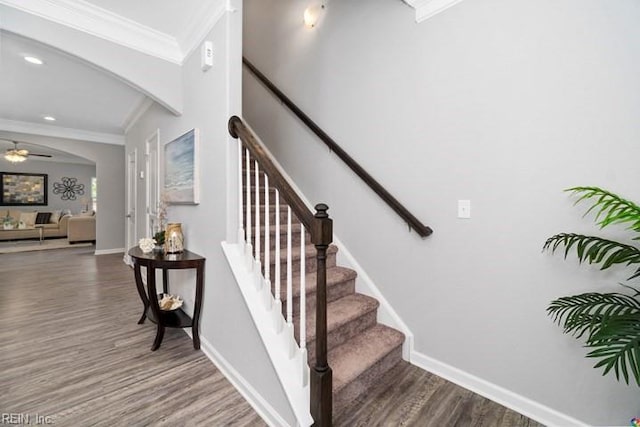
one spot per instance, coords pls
(612, 322)
(587, 312)
(610, 208)
(617, 344)
(595, 250)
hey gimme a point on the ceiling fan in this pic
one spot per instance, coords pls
(17, 155)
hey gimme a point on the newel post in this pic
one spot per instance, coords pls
(321, 375)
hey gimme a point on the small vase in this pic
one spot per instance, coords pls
(173, 238)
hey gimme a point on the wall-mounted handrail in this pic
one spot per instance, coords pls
(320, 226)
(413, 222)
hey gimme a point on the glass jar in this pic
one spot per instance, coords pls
(173, 238)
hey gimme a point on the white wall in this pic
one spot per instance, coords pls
(503, 102)
(55, 172)
(226, 323)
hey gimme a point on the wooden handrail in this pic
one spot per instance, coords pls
(413, 222)
(320, 226)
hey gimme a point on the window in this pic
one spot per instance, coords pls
(94, 194)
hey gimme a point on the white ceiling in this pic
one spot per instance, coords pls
(85, 99)
(76, 94)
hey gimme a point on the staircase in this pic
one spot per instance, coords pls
(360, 350)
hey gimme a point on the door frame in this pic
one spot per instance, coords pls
(132, 203)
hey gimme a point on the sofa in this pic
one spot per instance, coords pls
(57, 228)
(81, 228)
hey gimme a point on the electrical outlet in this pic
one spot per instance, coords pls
(464, 208)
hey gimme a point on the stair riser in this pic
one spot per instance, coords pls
(311, 264)
(295, 239)
(342, 334)
(334, 292)
(272, 217)
(362, 383)
(272, 194)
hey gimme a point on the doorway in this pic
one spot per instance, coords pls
(132, 204)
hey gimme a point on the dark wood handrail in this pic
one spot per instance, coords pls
(320, 227)
(237, 129)
(413, 222)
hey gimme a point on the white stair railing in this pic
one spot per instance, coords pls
(257, 230)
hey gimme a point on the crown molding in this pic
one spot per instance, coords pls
(426, 9)
(86, 17)
(60, 132)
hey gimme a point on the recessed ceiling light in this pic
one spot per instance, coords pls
(34, 60)
(49, 118)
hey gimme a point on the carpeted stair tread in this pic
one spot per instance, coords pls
(353, 358)
(335, 275)
(341, 312)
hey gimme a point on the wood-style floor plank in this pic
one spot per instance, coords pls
(410, 396)
(72, 350)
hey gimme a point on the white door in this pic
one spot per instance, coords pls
(132, 202)
(153, 182)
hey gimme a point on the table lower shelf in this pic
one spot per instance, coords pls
(171, 319)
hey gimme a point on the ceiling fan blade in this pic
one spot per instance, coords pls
(39, 155)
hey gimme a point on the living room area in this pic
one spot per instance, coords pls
(48, 199)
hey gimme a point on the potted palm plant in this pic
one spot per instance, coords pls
(609, 322)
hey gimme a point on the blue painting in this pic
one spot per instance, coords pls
(181, 169)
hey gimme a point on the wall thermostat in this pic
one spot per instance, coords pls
(207, 55)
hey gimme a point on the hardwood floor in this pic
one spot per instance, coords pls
(71, 350)
(410, 396)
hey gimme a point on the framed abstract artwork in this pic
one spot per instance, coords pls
(181, 169)
(23, 189)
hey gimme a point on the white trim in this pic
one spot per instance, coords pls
(523, 405)
(426, 9)
(109, 251)
(365, 285)
(287, 368)
(250, 394)
(91, 19)
(136, 112)
(60, 132)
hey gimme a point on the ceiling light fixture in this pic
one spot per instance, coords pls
(312, 14)
(49, 118)
(33, 60)
(14, 157)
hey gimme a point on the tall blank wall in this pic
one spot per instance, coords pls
(504, 103)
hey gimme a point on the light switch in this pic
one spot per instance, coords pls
(464, 208)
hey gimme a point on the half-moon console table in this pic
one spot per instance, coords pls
(174, 318)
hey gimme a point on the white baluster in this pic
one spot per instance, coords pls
(290, 284)
(267, 245)
(303, 293)
(249, 248)
(258, 266)
(241, 236)
(289, 270)
(278, 305)
(303, 307)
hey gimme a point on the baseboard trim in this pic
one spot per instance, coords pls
(109, 251)
(365, 285)
(250, 394)
(525, 406)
